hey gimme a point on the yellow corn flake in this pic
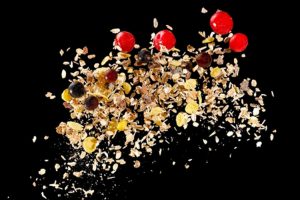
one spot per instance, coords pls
(156, 111)
(75, 126)
(89, 144)
(208, 40)
(190, 84)
(122, 125)
(191, 107)
(181, 119)
(127, 87)
(216, 72)
(65, 95)
(200, 97)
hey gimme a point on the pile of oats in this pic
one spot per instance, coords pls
(167, 92)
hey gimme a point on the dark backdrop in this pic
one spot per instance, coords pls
(38, 32)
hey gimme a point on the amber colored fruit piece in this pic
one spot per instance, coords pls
(89, 144)
(112, 125)
(122, 125)
(65, 95)
(127, 87)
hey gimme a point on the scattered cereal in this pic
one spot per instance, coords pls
(121, 108)
(42, 171)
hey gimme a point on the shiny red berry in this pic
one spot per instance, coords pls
(221, 22)
(165, 38)
(125, 41)
(238, 42)
(111, 76)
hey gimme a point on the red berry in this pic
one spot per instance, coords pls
(125, 41)
(165, 38)
(221, 22)
(238, 42)
(111, 76)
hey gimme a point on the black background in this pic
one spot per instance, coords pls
(39, 31)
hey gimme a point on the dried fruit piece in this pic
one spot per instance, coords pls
(127, 87)
(216, 72)
(181, 119)
(164, 38)
(125, 40)
(144, 56)
(204, 60)
(89, 144)
(190, 84)
(238, 42)
(122, 125)
(221, 22)
(91, 103)
(191, 107)
(112, 126)
(76, 89)
(111, 76)
(65, 95)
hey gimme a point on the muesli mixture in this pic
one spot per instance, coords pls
(123, 105)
